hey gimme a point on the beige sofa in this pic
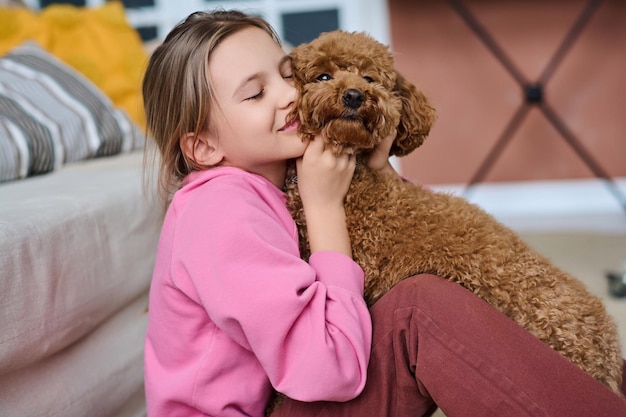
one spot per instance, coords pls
(77, 248)
(78, 232)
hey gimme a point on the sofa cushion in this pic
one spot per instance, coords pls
(50, 115)
(76, 245)
(101, 375)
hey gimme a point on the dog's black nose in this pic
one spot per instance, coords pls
(353, 98)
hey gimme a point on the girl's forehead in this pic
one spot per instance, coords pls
(249, 39)
(247, 47)
(243, 55)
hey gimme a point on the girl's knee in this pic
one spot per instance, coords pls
(426, 286)
(424, 282)
(428, 291)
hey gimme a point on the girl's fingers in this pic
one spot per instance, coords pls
(351, 160)
(317, 144)
(317, 151)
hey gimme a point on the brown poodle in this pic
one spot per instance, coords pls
(350, 91)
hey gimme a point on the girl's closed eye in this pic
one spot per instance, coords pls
(286, 69)
(257, 96)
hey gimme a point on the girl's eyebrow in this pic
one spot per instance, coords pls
(286, 58)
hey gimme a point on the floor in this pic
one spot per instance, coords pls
(588, 256)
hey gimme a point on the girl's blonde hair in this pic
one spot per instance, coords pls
(177, 93)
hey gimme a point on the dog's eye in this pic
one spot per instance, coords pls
(324, 77)
(368, 79)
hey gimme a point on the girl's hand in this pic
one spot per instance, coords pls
(379, 159)
(323, 182)
(323, 178)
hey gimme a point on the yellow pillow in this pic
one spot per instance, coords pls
(18, 25)
(98, 42)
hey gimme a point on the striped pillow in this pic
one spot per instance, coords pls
(51, 115)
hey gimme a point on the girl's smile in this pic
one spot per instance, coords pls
(290, 126)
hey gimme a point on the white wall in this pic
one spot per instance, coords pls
(567, 205)
(354, 15)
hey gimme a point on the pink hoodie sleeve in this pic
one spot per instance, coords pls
(306, 323)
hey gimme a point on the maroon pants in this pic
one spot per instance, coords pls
(437, 344)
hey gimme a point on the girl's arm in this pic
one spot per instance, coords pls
(323, 181)
(306, 324)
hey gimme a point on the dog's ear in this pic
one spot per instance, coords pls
(416, 118)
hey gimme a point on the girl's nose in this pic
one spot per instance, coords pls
(289, 92)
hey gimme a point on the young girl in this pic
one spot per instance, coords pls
(234, 311)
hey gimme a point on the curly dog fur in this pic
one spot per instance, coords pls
(350, 91)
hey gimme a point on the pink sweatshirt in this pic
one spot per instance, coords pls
(234, 309)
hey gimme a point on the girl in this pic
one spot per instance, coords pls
(234, 311)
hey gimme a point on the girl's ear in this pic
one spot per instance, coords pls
(416, 118)
(201, 150)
